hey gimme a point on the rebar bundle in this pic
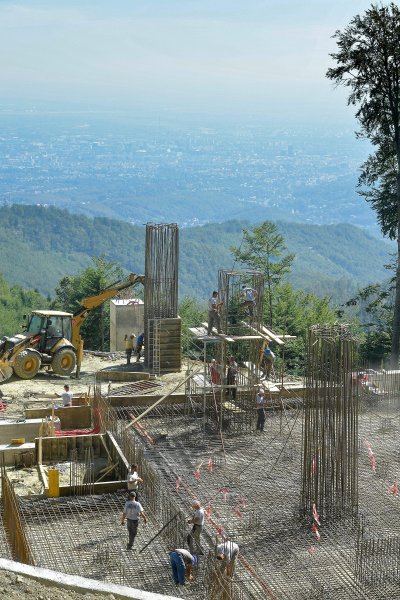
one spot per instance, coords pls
(330, 430)
(161, 283)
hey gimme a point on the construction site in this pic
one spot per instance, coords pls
(311, 498)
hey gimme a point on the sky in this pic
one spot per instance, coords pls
(249, 57)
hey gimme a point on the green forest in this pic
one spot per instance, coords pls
(40, 245)
(52, 256)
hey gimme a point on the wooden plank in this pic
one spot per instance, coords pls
(237, 338)
(272, 336)
(224, 337)
(258, 333)
(198, 332)
(269, 386)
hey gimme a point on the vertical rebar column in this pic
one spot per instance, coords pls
(330, 428)
(161, 279)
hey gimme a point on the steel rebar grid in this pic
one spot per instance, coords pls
(335, 555)
(264, 472)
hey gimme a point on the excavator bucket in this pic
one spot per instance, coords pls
(5, 371)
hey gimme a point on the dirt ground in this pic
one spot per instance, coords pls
(18, 393)
(41, 392)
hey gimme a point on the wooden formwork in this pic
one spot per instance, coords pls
(165, 337)
(15, 532)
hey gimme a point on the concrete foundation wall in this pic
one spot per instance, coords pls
(72, 417)
(126, 317)
(28, 429)
(23, 454)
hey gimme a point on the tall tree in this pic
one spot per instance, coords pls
(262, 249)
(368, 63)
(72, 289)
(374, 311)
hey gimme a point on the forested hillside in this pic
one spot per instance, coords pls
(14, 302)
(40, 245)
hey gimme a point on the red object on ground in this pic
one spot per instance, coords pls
(315, 530)
(78, 431)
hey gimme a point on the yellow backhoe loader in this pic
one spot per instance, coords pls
(52, 338)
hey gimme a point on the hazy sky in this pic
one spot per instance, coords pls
(251, 56)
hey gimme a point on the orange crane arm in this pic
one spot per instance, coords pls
(92, 302)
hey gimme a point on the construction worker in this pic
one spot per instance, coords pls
(181, 562)
(215, 372)
(66, 396)
(260, 405)
(128, 347)
(249, 301)
(132, 511)
(197, 520)
(227, 552)
(213, 313)
(139, 346)
(267, 361)
(133, 481)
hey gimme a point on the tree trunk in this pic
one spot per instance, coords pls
(102, 328)
(394, 361)
(270, 304)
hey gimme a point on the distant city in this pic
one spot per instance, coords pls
(122, 167)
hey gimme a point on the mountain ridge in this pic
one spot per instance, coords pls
(51, 243)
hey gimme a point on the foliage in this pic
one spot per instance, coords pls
(374, 311)
(72, 289)
(329, 259)
(192, 314)
(368, 63)
(294, 312)
(14, 302)
(263, 249)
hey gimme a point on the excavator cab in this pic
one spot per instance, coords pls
(51, 333)
(51, 328)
